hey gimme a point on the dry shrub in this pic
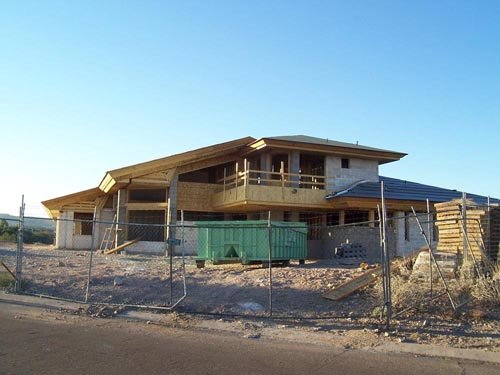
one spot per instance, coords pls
(403, 292)
(486, 289)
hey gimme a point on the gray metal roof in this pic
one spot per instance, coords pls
(328, 142)
(406, 190)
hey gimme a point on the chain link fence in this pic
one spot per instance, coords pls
(317, 269)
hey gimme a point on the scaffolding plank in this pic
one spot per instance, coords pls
(122, 246)
(353, 285)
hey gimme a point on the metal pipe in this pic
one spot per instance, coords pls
(269, 226)
(91, 255)
(387, 266)
(464, 227)
(430, 249)
(384, 288)
(20, 244)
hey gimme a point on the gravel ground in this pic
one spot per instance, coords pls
(237, 289)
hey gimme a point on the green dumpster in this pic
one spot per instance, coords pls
(248, 241)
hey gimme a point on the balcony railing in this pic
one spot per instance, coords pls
(268, 178)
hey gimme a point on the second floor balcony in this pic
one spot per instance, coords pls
(253, 188)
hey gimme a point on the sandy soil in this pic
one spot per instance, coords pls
(242, 291)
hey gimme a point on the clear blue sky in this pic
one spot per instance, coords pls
(89, 86)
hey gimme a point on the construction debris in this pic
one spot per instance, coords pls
(365, 279)
(122, 246)
(353, 285)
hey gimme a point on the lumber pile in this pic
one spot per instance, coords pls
(451, 228)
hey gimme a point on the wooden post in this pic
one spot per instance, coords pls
(245, 170)
(282, 172)
(246, 177)
(341, 217)
(236, 182)
(224, 186)
(371, 218)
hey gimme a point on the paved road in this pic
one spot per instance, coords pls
(29, 345)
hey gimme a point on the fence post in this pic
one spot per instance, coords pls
(430, 240)
(386, 262)
(464, 227)
(20, 244)
(91, 255)
(269, 229)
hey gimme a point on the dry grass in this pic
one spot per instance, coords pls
(485, 290)
(403, 292)
(6, 280)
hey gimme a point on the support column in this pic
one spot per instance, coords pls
(371, 218)
(294, 167)
(265, 165)
(275, 215)
(121, 217)
(341, 217)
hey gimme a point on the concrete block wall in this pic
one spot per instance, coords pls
(415, 239)
(338, 178)
(146, 247)
(368, 237)
(188, 235)
(65, 230)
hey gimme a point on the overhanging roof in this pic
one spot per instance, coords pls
(396, 189)
(173, 161)
(328, 146)
(88, 197)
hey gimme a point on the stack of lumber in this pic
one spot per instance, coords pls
(451, 234)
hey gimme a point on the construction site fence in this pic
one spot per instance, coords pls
(159, 266)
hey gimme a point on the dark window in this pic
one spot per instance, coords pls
(332, 218)
(109, 202)
(147, 225)
(352, 217)
(345, 163)
(83, 223)
(147, 195)
(201, 216)
(314, 224)
(276, 161)
(407, 226)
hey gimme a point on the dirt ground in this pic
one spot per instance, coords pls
(242, 293)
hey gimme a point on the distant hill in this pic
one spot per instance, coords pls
(30, 222)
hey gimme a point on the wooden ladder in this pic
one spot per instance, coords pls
(108, 240)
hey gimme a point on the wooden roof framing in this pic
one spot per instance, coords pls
(160, 172)
(122, 175)
(326, 146)
(84, 200)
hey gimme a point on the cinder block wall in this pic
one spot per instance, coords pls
(415, 239)
(368, 237)
(359, 169)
